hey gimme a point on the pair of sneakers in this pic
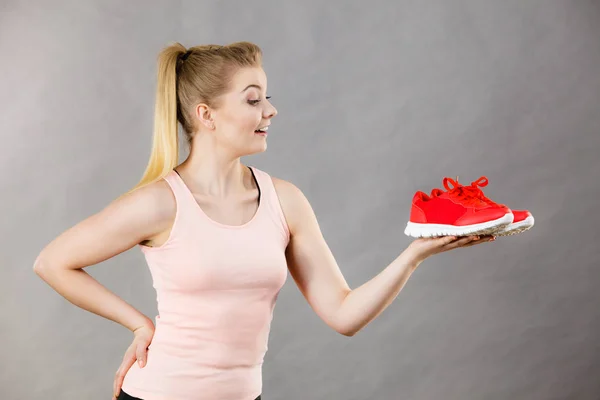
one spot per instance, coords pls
(463, 211)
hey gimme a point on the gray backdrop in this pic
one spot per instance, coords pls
(376, 100)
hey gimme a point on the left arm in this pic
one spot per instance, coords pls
(315, 270)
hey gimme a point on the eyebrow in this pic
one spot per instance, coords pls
(252, 85)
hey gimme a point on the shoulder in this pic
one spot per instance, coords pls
(155, 196)
(154, 202)
(286, 188)
(294, 203)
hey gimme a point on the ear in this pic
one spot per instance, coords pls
(204, 116)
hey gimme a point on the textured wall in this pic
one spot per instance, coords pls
(376, 100)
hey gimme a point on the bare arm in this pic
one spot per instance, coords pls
(318, 276)
(124, 223)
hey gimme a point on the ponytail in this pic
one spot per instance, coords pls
(165, 144)
(202, 74)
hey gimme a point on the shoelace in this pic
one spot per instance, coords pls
(468, 195)
(475, 189)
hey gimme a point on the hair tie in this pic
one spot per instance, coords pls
(186, 55)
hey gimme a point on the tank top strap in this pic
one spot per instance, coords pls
(269, 196)
(183, 197)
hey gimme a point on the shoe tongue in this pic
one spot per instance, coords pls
(445, 195)
(475, 191)
(466, 192)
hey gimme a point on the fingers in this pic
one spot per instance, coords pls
(440, 241)
(140, 354)
(119, 379)
(468, 241)
(128, 361)
(447, 240)
(460, 242)
(482, 239)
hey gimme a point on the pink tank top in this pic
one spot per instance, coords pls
(216, 289)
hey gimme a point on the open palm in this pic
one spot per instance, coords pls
(425, 247)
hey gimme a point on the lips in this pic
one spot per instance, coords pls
(264, 129)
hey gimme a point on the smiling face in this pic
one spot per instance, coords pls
(242, 110)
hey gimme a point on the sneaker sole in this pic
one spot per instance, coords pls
(517, 227)
(435, 230)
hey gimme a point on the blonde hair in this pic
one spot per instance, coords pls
(187, 77)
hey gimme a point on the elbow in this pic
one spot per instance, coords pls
(37, 265)
(347, 331)
(40, 266)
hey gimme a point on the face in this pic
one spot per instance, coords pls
(242, 111)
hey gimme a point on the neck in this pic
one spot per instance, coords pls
(210, 170)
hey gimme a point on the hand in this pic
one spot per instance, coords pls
(136, 351)
(426, 247)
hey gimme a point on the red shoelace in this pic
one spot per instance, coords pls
(475, 189)
(468, 195)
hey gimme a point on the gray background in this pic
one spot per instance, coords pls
(376, 100)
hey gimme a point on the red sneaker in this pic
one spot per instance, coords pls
(523, 220)
(457, 212)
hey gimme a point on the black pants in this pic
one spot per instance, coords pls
(125, 396)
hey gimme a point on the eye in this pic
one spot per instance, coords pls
(255, 102)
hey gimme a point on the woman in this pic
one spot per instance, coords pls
(219, 238)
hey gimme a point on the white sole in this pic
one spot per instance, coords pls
(517, 227)
(435, 230)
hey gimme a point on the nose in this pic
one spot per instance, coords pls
(270, 112)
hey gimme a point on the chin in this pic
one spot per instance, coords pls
(262, 149)
(256, 150)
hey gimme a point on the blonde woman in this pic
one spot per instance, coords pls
(219, 238)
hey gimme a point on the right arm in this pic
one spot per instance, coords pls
(132, 219)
